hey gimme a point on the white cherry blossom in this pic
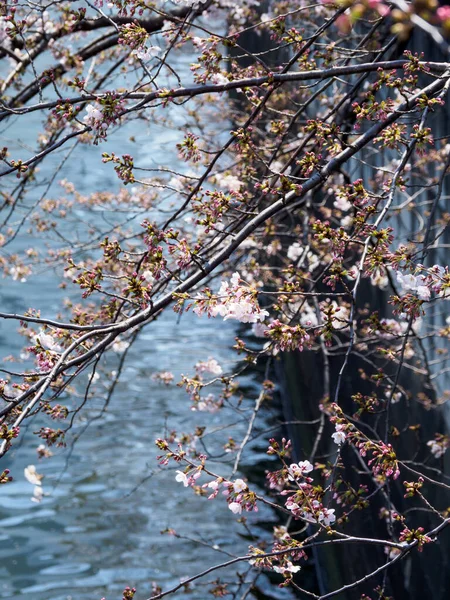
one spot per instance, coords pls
(210, 366)
(32, 475)
(288, 568)
(38, 494)
(146, 53)
(120, 346)
(182, 478)
(239, 486)
(235, 508)
(339, 435)
(298, 470)
(436, 449)
(47, 341)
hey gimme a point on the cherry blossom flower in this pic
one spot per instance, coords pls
(443, 13)
(414, 284)
(198, 42)
(93, 116)
(296, 471)
(342, 203)
(294, 252)
(235, 508)
(235, 302)
(347, 221)
(379, 280)
(243, 311)
(120, 346)
(18, 273)
(211, 366)
(148, 277)
(32, 475)
(94, 377)
(38, 494)
(259, 330)
(339, 435)
(395, 397)
(4, 26)
(165, 377)
(287, 568)
(220, 79)
(10, 391)
(239, 486)
(322, 515)
(214, 486)
(43, 451)
(47, 341)
(437, 448)
(327, 516)
(228, 182)
(145, 53)
(182, 478)
(209, 403)
(265, 17)
(391, 552)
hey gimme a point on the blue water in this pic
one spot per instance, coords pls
(93, 534)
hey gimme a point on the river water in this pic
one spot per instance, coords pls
(98, 526)
(95, 532)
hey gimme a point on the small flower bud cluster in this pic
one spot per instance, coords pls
(287, 337)
(5, 476)
(7, 435)
(415, 535)
(52, 436)
(132, 35)
(128, 593)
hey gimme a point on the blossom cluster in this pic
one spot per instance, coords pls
(439, 445)
(423, 285)
(99, 119)
(233, 301)
(305, 503)
(238, 495)
(47, 348)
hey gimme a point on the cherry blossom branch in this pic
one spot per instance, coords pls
(272, 78)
